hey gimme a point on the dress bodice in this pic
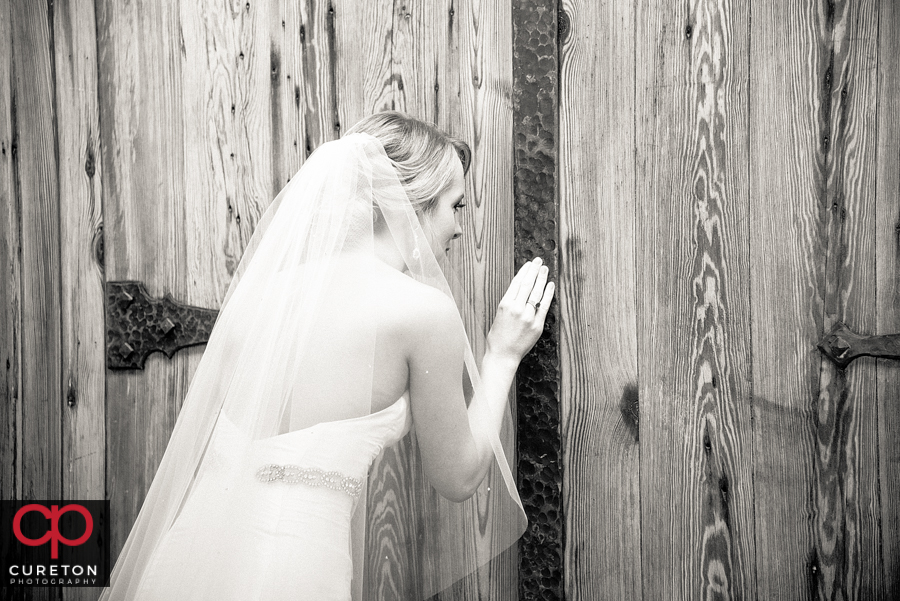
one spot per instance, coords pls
(271, 518)
(347, 446)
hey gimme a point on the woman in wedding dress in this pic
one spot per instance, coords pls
(338, 336)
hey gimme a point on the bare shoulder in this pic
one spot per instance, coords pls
(419, 313)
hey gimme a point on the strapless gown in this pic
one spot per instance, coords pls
(283, 532)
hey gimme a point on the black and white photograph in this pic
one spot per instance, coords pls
(449, 300)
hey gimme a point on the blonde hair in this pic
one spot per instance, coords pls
(423, 155)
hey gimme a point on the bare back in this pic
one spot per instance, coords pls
(363, 299)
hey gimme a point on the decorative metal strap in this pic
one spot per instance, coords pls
(842, 345)
(138, 324)
(293, 474)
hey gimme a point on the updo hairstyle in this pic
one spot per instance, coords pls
(423, 155)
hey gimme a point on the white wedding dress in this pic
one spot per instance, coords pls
(285, 533)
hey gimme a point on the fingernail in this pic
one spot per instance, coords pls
(538, 260)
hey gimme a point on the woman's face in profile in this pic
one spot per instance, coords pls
(441, 223)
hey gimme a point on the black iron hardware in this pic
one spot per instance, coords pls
(842, 345)
(137, 325)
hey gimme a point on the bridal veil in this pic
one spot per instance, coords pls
(264, 342)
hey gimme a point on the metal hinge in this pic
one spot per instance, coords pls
(842, 345)
(137, 325)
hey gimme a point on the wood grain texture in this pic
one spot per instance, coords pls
(286, 100)
(392, 534)
(10, 268)
(599, 389)
(320, 66)
(784, 231)
(887, 286)
(226, 106)
(421, 60)
(81, 227)
(473, 101)
(424, 58)
(697, 518)
(450, 63)
(39, 424)
(143, 172)
(476, 105)
(847, 515)
(812, 250)
(364, 41)
(363, 46)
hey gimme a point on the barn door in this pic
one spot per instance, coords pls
(207, 111)
(729, 193)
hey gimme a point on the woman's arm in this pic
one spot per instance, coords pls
(453, 439)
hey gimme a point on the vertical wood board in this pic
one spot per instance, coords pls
(81, 282)
(598, 334)
(812, 257)
(143, 173)
(697, 516)
(10, 268)
(81, 231)
(887, 287)
(39, 423)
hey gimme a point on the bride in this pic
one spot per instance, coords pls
(338, 336)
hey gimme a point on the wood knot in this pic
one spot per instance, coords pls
(563, 24)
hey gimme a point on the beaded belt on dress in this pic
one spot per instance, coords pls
(293, 474)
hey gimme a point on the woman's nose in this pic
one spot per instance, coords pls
(457, 232)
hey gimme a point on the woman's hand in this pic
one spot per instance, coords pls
(520, 316)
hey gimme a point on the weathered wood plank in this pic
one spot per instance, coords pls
(475, 104)
(37, 188)
(812, 255)
(599, 388)
(286, 101)
(473, 100)
(227, 138)
(10, 270)
(320, 66)
(143, 173)
(887, 287)
(421, 59)
(478, 108)
(363, 42)
(391, 563)
(847, 512)
(440, 58)
(783, 222)
(83, 331)
(81, 229)
(692, 301)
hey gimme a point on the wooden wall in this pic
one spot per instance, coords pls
(143, 140)
(729, 190)
(729, 187)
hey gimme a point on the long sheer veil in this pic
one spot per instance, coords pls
(256, 363)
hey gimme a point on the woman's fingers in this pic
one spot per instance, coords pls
(537, 291)
(516, 285)
(546, 299)
(526, 284)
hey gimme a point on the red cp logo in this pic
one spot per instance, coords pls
(53, 534)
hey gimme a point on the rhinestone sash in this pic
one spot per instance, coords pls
(311, 476)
